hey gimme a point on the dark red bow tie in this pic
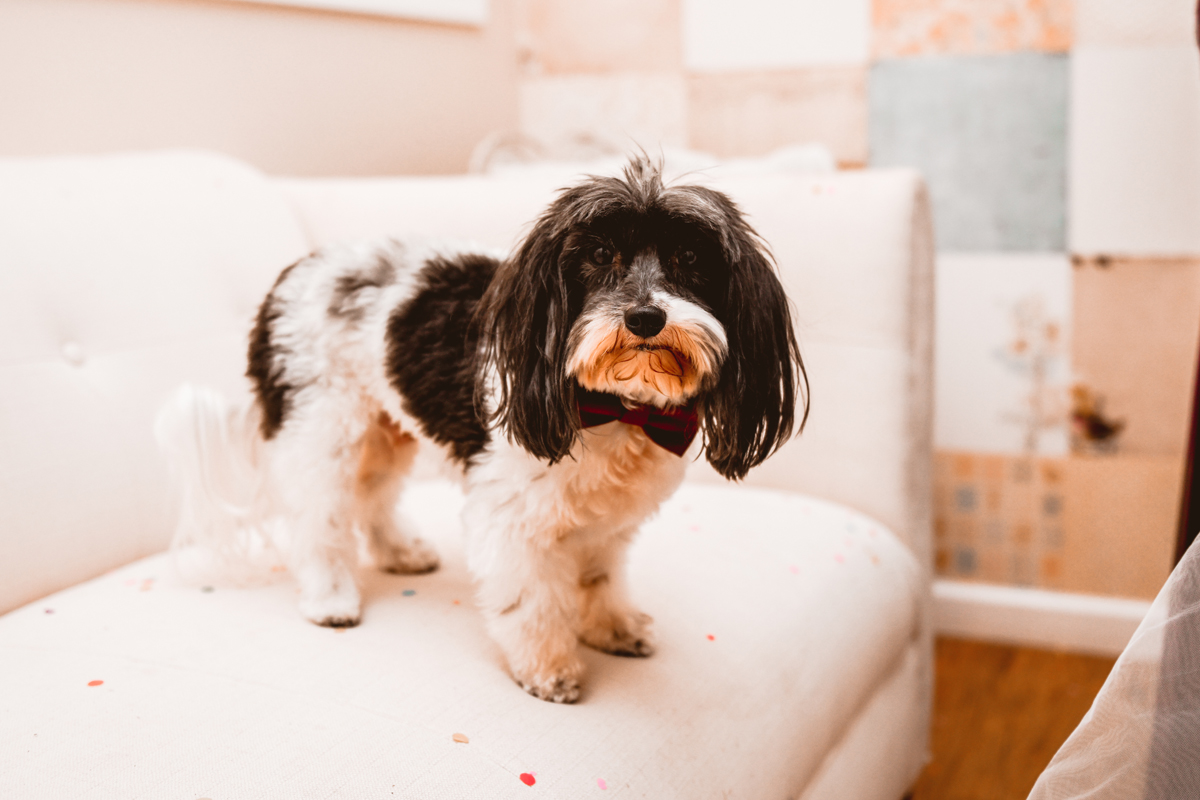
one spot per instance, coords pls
(671, 429)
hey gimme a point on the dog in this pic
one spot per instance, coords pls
(565, 383)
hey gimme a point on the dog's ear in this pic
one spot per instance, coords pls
(525, 319)
(752, 410)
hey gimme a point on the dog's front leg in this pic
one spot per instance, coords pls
(528, 595)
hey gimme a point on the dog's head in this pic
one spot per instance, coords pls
(658, 294)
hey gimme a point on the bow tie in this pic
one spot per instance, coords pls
(671, 429)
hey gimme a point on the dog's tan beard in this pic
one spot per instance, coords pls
(667, 369)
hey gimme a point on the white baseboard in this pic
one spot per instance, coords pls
(1079, 623)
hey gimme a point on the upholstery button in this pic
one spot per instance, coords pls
(73, 353)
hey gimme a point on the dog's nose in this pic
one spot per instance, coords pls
(645, 321)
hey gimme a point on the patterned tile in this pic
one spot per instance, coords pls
(989, 133)
(1099, 525)
(602, 36)
(752, 113)
(1135, 151)
(720, 36)
(618, 110)
(1002, 367)
(924, 27)
(1134, 352)
(1134, 23)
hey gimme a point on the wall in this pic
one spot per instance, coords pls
(291, 91)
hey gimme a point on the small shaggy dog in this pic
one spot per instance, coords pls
(566, 382)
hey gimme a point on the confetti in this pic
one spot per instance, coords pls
(457, 603)
(600, 782)
(279, 568)
(794, 569)
(49, 610)
(712, 638)
(95, 683)
(838, 557)
(409, 592)
(527, 779)
(461, 738)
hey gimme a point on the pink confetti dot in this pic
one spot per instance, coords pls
(712, 638)
(527, 778)
(95, 683)
(49, 610)
(838, 557)
(794, 569)
(600, 782)
(694, 528)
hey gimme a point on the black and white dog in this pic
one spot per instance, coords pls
(565, 381)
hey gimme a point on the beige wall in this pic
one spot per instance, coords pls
(291, 91)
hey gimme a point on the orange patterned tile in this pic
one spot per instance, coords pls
(923, 27)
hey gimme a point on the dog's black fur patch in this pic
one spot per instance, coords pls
(265, 359)
(432, 352)
(345, 302)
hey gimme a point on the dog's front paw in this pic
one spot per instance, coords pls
(333, 610)
(630, 634)
(414, 558)
(555, 687)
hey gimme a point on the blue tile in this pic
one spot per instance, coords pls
(989, 134)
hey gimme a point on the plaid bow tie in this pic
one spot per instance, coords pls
(671, 429)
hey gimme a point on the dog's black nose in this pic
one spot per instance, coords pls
(645, 321)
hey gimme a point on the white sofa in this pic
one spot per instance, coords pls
(794, 658)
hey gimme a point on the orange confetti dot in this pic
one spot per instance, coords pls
(95, 683)
(456, 603)
(461, 738)
(527, 779)
(712, 638)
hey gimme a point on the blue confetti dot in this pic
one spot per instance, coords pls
(409, 592)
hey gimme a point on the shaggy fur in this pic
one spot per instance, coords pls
(661, 295)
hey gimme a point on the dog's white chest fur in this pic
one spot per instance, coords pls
(614, 478)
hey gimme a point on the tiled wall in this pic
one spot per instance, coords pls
(1061, 143)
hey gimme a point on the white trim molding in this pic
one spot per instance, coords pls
(1080, 623)
(457, 12)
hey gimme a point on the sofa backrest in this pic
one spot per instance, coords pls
(121, 277)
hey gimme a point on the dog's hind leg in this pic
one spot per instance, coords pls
(313, 473)
(387, 456)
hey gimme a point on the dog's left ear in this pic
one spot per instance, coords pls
(525, 318)
(752, 410)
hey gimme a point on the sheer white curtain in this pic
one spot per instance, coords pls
(1141, 738)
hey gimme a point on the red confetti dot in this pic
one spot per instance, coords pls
(95, 683)
(527, 779)
(712, 638)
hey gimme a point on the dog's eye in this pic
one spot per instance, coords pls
(602, 256)
(687, 257)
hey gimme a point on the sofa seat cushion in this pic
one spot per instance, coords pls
(778, 616)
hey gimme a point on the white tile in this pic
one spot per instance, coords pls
(722, 36)
(1135, 22)
(984, 379)
(1134, 175)
(649, 109)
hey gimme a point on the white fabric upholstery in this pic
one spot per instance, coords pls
(120, 278)
(123, 276)
(231, 694)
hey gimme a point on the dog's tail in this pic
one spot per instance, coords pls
(216, 455)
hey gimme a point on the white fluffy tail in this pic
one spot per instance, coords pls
(215, 451)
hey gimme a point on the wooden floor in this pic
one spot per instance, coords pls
(999, 715)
